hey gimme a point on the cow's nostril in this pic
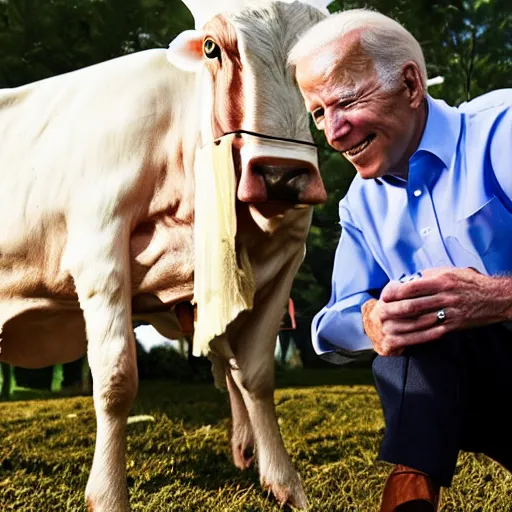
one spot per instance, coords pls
(275, 179)
(274, 175)
(284, 179)
(296, 173)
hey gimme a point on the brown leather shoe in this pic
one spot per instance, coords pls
(410, 490)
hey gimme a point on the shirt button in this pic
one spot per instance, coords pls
(425, 231)
(417, 193)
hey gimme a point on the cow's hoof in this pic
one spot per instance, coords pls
(291, 494)
(92, 506)
(99, 503)
(243, 456)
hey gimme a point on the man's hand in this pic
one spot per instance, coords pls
(384, 345)
(406, 314)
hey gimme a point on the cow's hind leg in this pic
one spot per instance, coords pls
(98, 262)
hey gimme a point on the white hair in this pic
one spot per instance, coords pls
(266, 36)
(384, 40)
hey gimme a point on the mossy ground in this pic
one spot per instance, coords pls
(330, 420)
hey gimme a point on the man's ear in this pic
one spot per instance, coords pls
(411, 76)
(186, 50)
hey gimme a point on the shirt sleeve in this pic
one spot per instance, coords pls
(501, 151)
(356, 278)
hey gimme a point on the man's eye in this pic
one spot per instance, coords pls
(345, 103)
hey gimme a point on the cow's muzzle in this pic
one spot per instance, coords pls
(276, 170)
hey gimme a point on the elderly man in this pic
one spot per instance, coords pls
(421, 271)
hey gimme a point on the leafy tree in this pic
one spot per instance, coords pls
(42, 38)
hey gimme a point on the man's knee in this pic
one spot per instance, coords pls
(428, 358)
(389, 373)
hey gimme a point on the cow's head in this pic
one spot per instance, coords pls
(248, 88)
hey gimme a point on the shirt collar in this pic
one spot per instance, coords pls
(442, 131)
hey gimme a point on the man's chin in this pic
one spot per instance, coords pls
(367, 170)
(369, 173)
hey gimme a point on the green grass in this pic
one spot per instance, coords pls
(331, 424)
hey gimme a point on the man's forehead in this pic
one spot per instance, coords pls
(318, 65)
(343, 60)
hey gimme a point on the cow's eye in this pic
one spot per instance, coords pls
(211, 49)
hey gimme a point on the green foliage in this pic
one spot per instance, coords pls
(49, 378)
(331, 424)
(40, 38)
(7, 380)
(164, 362)
(57, 378)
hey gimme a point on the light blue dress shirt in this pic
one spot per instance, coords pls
(455, 209)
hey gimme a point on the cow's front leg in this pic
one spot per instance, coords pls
(242, 440)
(254, 377)
(98, 262)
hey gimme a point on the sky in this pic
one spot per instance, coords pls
(149, 337)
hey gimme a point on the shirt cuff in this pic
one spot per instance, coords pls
(340, 329)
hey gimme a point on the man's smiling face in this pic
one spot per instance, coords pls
(374, 127)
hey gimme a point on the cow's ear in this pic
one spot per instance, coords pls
(186, 50)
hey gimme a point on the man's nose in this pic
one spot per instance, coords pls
(336, 127)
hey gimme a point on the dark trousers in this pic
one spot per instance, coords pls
(449, 395)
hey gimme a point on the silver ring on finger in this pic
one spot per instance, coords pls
(441, 316)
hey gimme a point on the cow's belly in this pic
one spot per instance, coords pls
(40, 332)
(162, 260)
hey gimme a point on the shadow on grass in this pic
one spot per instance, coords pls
(350, 444)
(202, 404)
(194, 405)
(209, 472)
(17, 461)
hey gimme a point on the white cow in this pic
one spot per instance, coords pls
(97, 218)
